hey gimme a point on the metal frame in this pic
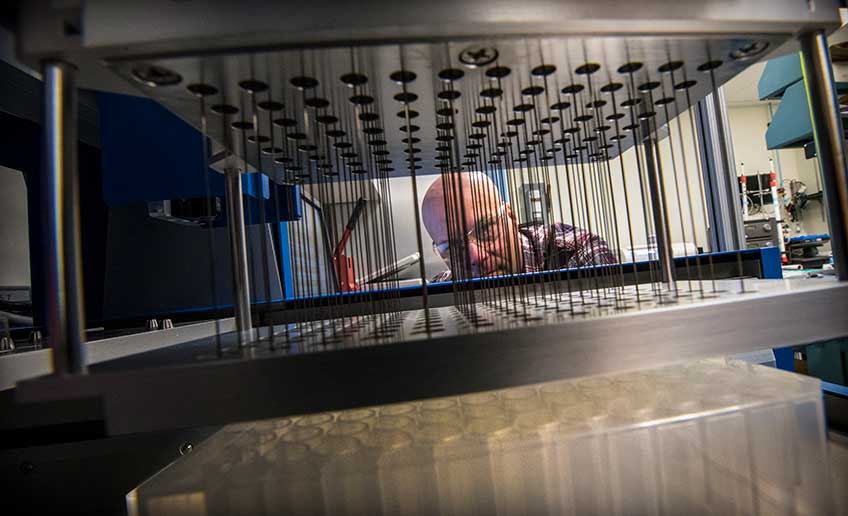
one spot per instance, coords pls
(238, 253)
(62, 250)
(719, 174)
(16, 367)
(113, 31)
(154, 398)
(146, 399)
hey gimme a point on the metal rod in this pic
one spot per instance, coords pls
(659, 209)
(238, 252)
(830, 142)
(63, 248)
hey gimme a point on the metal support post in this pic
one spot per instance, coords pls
(830, 142)
(721, 189)
(62, 248)
(238, 252)
(659, 208)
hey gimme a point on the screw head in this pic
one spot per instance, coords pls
(477, 56)
(749, 50)
(186, 448)
(155, 75)
(26, 467)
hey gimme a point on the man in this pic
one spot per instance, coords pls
(476, 233)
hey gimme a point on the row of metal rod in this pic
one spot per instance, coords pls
(60, 203)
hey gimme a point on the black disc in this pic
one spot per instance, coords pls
(543, 69)
(316, 102)
(491, 93)
(224, 109)
(285, 122)
(402, 76)
(253, 86)
(406, 97)
(243, 125)
(670, 66)
(498, 72)
(412, 113)
(362, 100)
(202, 90)
(572, 89)
(449, 94)
(648, 86)
(353, 79)
(587, 69)
(632, 67)
(270, 105)
(304, 83)
(611, 87)
(532, 91)
(451, 74)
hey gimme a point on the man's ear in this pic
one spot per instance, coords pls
(508, 211)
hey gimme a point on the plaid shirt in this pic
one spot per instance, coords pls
(569, 247)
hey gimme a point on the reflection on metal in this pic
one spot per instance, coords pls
(724, 214)
(656, 441)
(21, 366)
(238, 254)
(325, 360)
(659, 207)
(63, 248)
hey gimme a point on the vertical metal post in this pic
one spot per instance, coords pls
(830, 142)
(719, 170)
(62, 246)
(238, 254)
(659, 209)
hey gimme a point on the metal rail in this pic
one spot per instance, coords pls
(137, 400)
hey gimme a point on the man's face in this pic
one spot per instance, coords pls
(472, 228)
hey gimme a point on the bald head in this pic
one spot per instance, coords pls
(466, 211)
(453, 190)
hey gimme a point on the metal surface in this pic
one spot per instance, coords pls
(497, 352)
(62, 242)
(173, 27)
(238, 254)
(830, 142)
(719, 171)
(278, 70)
(659, 208)
(25, 365)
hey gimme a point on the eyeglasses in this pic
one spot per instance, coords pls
(484, 231)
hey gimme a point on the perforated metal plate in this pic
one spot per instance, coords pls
(376, 111)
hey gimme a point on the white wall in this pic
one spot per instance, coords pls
(14, 232)
(369, 228)
(748, 124)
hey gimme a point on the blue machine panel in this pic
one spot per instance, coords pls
(150, 154)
